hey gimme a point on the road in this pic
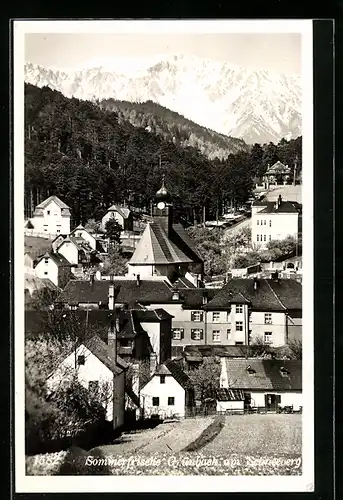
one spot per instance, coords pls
(237, 227)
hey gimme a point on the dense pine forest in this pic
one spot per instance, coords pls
(92, 157)
(174, 127)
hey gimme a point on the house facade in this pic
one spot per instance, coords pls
(168, 393)
(274, 221)
(55, 267)
(121, 214)
(266, 383)
(81, 232)
(97, 370)
(52, 216)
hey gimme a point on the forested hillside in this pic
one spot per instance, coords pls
(91, 158)
(174, 127)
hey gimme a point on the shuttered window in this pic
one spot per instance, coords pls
(197, 316)
(197, 334)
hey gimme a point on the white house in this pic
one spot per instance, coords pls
(168, 393)
(121, 214)
(52, 216)
(274, 220)
(54, 267)
(99, 369)
(81, 232)
(266, 383)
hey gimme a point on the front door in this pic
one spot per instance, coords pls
(271, 401)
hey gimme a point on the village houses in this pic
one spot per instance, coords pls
(51, 217)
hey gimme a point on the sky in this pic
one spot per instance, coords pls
(128, 52)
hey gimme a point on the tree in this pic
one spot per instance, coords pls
(113, 230)
(92, 226)
(206, 378)
(114, 263)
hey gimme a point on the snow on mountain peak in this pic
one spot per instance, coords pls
(257, 106)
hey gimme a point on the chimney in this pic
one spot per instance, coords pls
(117, 321)
(112, 338)
(111, 297)
(204, 297)
(153, 363)
(138, 280)
(255, 286)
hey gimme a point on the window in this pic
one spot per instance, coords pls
(216, 335)
(58, 230)
(239, 326)
(162, 379)
(81, 360)
(228, 333)
(197, 334)
(265, 237)
(48, 212)
(258, 237)
(239, 343)
(270, 237)
(46, 228)
(215, 317)
(171, 401)
(45, 273)
(196, 316)
(265, 222)
(155, 401)
(270, 223)
(228, 317)
(93, 385)
(46, 261)
(178, 333)
(258, 222)
(267, 319)
(268, 337)
(239, 309)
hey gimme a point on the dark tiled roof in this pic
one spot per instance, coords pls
(170, 367)
(193, 298)
(266, 374)
(82, 291)
(232, 351)
(230, 395)
(129, 324)
(57, 258)
(188, 246)
(105, 354)
(156, 315)
(148, 292)
(183, 283)
(284, 207)
(269, 296)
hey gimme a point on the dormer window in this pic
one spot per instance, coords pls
(250, 370)
(176, 296)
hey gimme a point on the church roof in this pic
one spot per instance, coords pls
(155, 247)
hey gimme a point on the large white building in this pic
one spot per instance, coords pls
(274, 220)
(51, 217)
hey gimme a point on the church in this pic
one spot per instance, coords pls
(165, 248)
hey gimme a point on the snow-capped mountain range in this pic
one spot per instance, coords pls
(257, 106)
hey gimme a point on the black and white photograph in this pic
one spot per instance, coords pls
(163, 183)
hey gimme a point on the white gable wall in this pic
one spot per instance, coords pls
(82, 233)
(112, 215)
(153, 330)
(52, 221)
(92, 370)
(171, 388)
(47, 270)
(69, 251)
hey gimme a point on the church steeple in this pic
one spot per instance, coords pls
(163, 208)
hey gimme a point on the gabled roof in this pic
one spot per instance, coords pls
(278, 168)
(265, 374)
(155, 247)
(169, 367)
(81, 228)
(283, 208)
(57, 258)
(105, 354)
(183, 283)
(82, 291)
(148, 292)
(54, 198)
(193, 298)
(123, 211)
(152, 315)
(270, 295)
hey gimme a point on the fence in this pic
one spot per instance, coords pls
(38, 234)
